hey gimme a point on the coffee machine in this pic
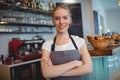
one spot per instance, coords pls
(25, 49)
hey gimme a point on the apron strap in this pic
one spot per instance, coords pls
(74, 43)
(53, 45)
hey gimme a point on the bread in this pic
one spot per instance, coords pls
(90, 37)
(114, 36)
(98, 37)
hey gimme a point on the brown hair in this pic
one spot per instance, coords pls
(63, 6)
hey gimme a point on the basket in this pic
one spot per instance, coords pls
(99, 44)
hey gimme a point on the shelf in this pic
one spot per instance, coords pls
(26, 24)
(5, 6)
(25, 32)
(33, 41)
(20, 16)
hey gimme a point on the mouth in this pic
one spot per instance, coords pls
(61, 27)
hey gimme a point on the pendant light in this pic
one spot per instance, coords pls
(118, 2)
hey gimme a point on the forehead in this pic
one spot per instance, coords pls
(61, 12)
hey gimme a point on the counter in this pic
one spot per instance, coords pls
(27, 70)
(109, 51)
(106, 62)
(20, 63)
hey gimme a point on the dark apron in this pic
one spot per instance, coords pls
(61, 57)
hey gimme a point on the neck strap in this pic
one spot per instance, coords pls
(53, 45)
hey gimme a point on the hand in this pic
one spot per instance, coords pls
(78, 63)
(46, 61)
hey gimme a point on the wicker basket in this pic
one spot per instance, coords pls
(99, 44)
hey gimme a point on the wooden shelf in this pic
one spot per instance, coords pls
(5, 6)
(25, 32)
(26, 24)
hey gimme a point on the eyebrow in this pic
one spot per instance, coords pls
(62, 16)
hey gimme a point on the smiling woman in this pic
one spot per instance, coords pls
(61, 19)
(76, 26)
(66, 56)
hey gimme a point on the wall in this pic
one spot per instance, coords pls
(88, 28)
(111, 17)
(101, 12)
(113, 20)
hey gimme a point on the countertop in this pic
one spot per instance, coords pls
(109, 51)
(20, 63)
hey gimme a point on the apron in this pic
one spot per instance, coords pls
(60, 57)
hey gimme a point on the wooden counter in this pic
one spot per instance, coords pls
(109, 51)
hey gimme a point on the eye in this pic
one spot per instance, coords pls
(65, 17)
(56, 18)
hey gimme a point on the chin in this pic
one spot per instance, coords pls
(62, 31)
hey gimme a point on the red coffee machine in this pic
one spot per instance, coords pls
(25, 49)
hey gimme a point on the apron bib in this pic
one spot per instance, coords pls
(61, 57)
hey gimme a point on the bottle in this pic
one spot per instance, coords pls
(33, 5)
(23, 3)
(29, 3)
(2, 58)
(42, 4)
(17, 3)
(26, 3)
(10, 1)
(51, 5)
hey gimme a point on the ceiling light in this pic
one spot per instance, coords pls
(69, 1)
(118, 2)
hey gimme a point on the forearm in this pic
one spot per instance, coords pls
(81, 70)
(58, 70)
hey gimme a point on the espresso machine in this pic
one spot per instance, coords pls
(25, 49)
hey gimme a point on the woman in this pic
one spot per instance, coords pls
(66, 56)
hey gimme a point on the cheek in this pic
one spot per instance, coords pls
(69, 21)
(55, 22)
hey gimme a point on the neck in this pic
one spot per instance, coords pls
(63, 35)
(62, 39)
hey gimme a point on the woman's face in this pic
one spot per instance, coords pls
(61, 19)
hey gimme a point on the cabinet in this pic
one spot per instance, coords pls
(29, 70)
(24, 20)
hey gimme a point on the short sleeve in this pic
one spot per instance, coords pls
(79, 41)
(47, 45)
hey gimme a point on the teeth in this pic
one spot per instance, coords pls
(61, 26)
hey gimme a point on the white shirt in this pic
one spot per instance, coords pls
(69, 46)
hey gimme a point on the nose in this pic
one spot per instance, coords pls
(61, 21)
